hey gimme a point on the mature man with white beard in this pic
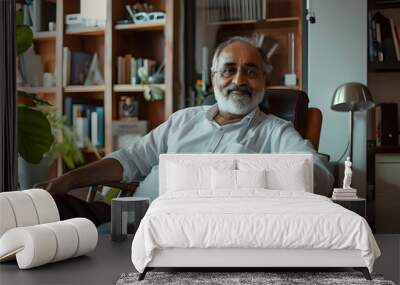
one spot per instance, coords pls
(233, 125)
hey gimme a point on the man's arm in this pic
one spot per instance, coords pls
(104, 171)
(125, 165)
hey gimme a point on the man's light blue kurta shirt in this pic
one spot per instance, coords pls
(193, 130)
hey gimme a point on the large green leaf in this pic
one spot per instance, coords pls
(34, 134)
(24, 37)
(19, 17)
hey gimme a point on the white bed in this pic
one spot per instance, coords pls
(200, 221)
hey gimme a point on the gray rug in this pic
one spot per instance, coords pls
(243, 278)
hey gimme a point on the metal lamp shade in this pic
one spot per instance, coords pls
(352, 96)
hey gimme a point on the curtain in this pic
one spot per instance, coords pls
(8, 101)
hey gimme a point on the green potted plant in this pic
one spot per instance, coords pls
(42, 134)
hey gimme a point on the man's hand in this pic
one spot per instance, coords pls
(59, 185)
(102, 172)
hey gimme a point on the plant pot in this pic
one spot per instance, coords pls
(29, 174)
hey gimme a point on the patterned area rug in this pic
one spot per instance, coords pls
(243, 278)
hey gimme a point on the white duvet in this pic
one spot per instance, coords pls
(253, 218)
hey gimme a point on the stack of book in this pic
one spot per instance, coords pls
(128, 66)
(344, 194)
(236, 10)
(87, 120)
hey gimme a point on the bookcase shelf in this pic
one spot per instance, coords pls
(87, 31)
(152, 26)
(37, 89)
(84, 88)
(384, 66)
(253, 22)
(45, 36)
(135, 88)
(283, 87)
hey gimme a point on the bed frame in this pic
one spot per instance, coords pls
(242, 259)
(259, 259)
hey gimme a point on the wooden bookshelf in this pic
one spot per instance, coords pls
(215, 24)
(89, 31)
(37, 89)
(135, 88)
(254, 22)
(84, 88)
(45, 36)
(156, 26)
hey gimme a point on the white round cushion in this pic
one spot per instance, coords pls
(7, 218)
(23, 208)
(40, 244)
(66, 238)
(87, 235)
(45, 206)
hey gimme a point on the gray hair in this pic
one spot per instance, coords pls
(266, 65)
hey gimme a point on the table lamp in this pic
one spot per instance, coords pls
(352, 97)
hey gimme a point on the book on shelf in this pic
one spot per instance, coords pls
(38, 14)
(236, 10)
(128, 67)
(383, 39)
(81, 68)
(126, 133)
(30, 68)
(80, 115)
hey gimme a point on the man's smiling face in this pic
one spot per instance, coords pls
(239, 81)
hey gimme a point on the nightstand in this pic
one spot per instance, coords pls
(358, 206)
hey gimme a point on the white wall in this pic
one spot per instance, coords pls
(337, 53)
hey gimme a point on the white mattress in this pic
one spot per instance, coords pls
(250, 219)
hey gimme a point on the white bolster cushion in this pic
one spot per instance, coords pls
(40, 244)
(22, 207)
(45, 206)
(26, 208)
(7, 219)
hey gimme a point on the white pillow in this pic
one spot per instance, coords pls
(251, 178)
(281, 175)
(189, 176)
(223, 179)
(291, 179)
(237, 179)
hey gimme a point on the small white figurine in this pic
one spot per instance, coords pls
(347, 174)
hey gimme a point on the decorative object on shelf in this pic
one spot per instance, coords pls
(126, 214)
(149, 17)
(52, 26)
(346, 192)
(268, 45)
(352, 97)
(81, 68)
(128, 108)
(125, 133)
(291, 78)
(49, 79)
(94, 12)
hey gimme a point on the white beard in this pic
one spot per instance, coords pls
(237, 104)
